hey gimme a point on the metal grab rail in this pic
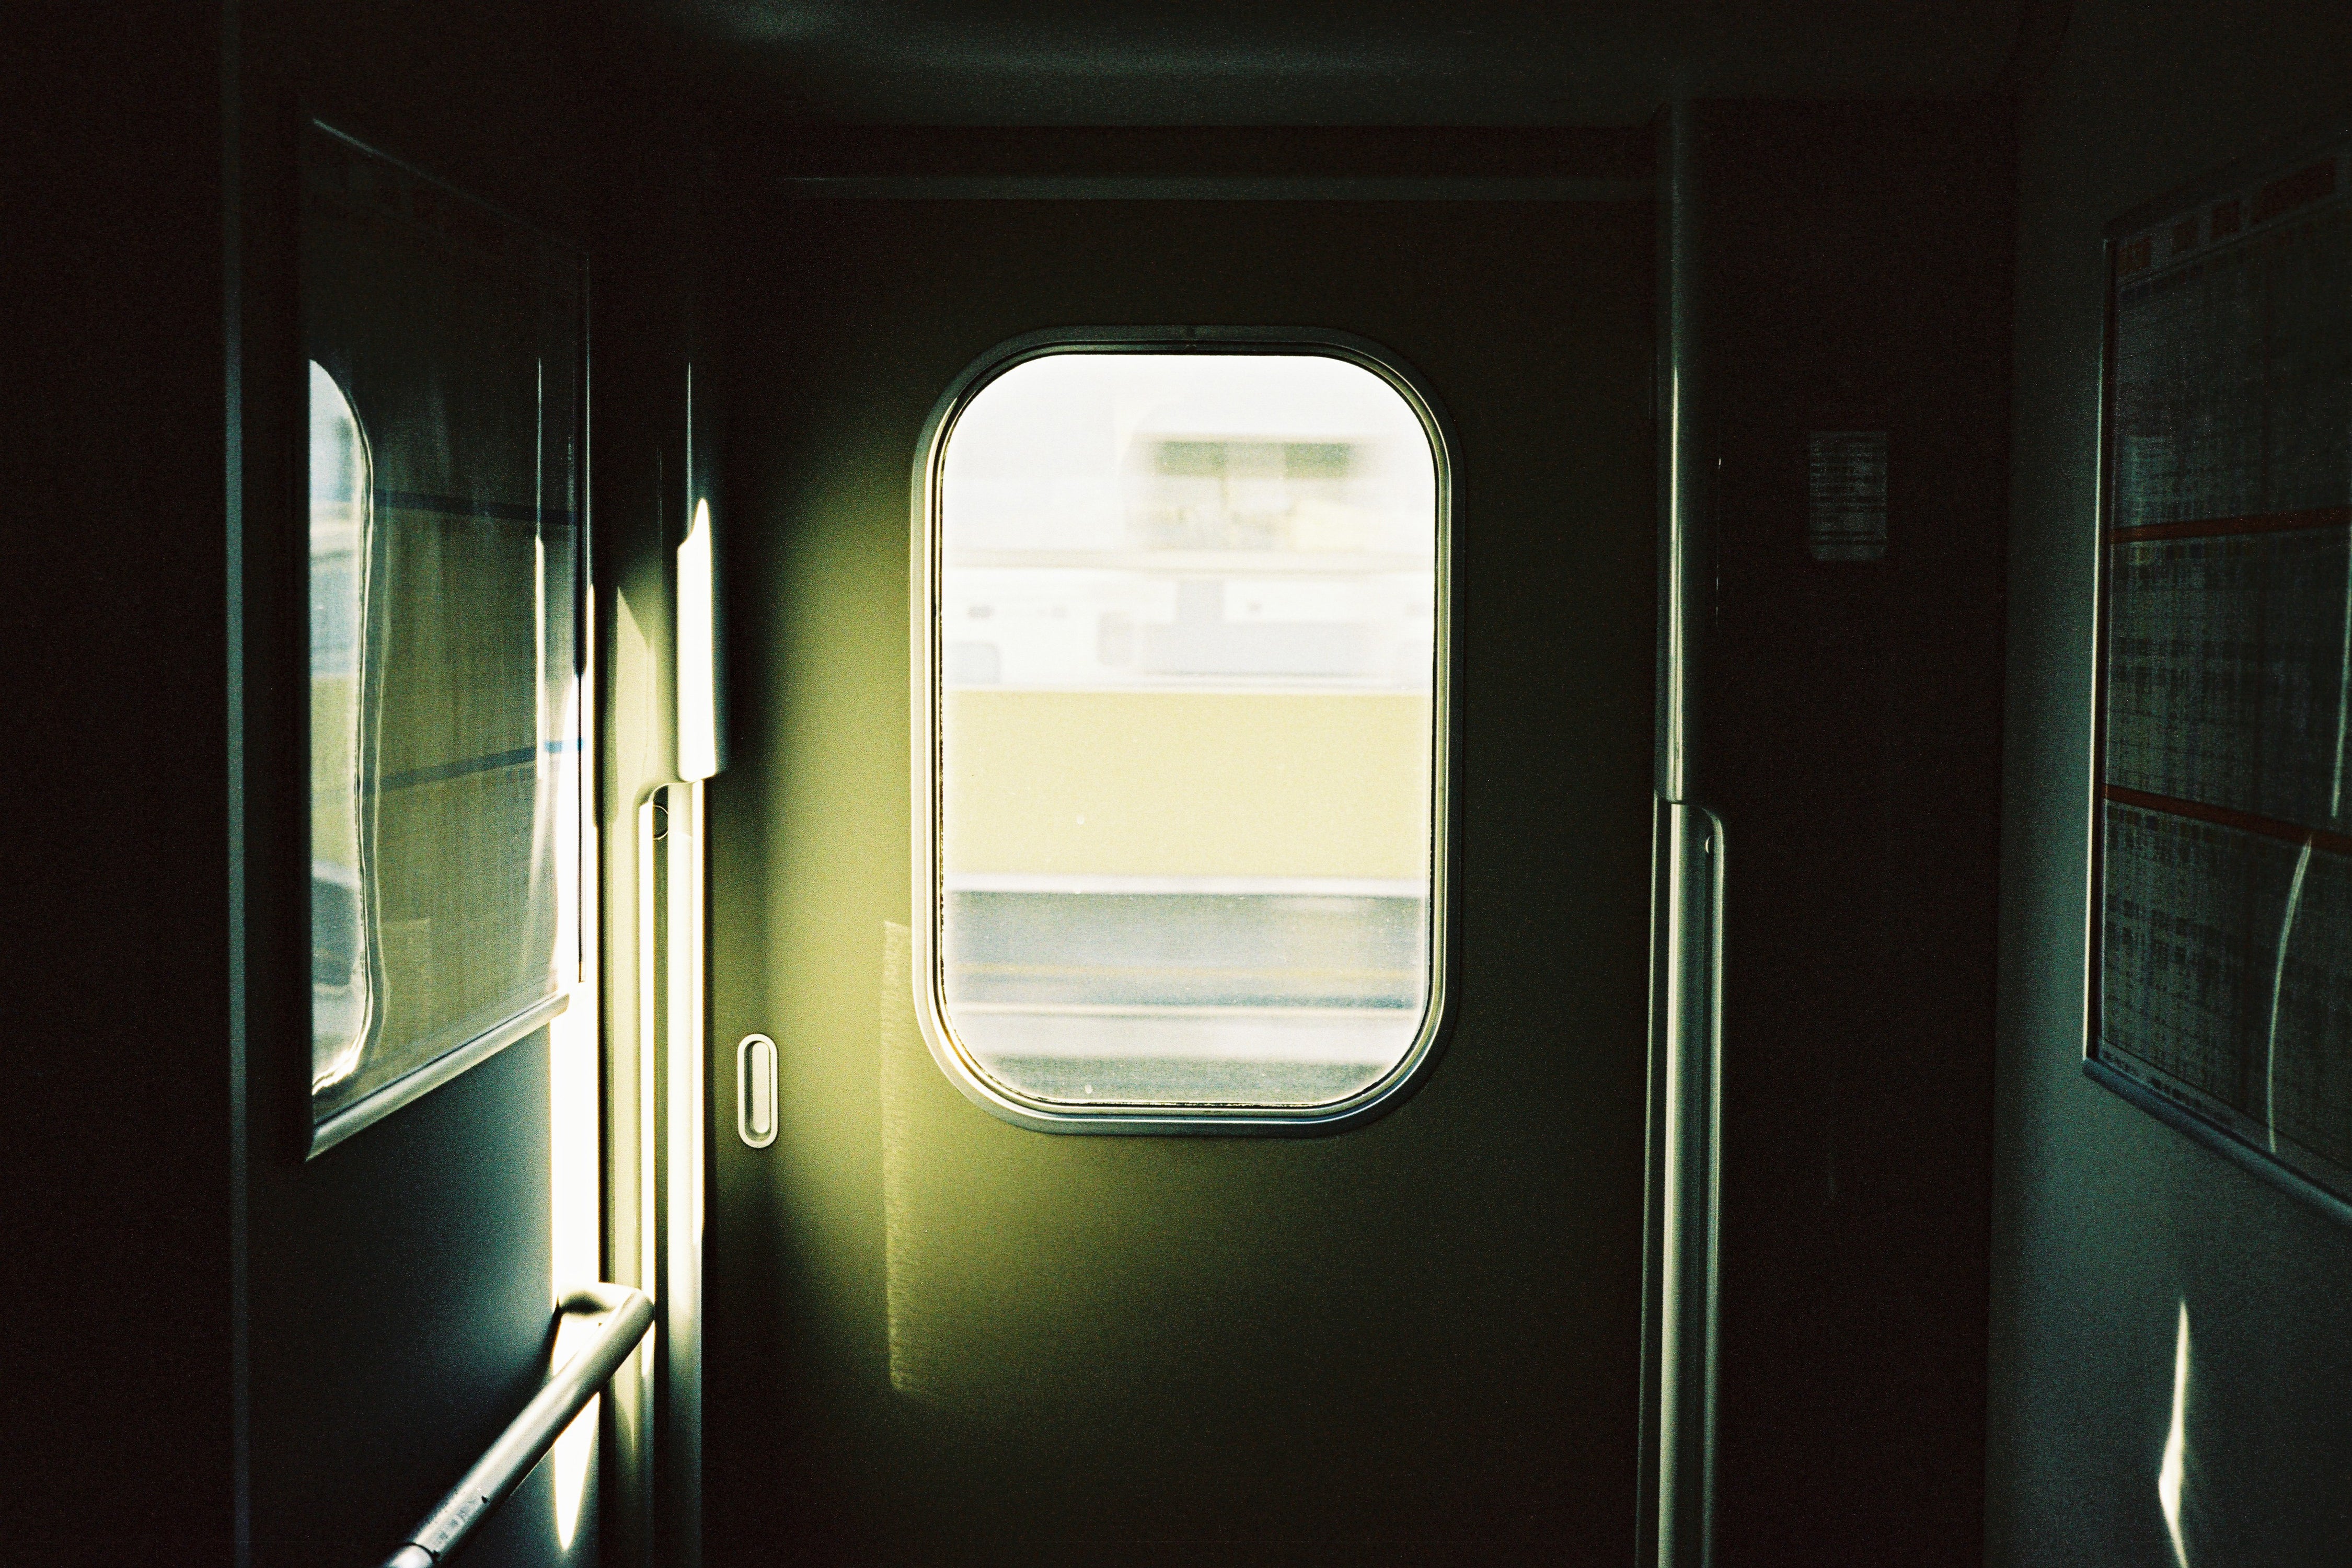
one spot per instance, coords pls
(628, 1314)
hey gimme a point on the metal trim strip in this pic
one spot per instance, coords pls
(423, 1081)
(2230, 1147)
(1211, 188)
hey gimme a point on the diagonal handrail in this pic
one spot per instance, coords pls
(627, 1315)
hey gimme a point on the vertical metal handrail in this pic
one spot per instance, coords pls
(1686, 1123)
(1676, 1505)
(627, 1315)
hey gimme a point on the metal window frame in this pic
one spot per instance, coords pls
(961, 1066)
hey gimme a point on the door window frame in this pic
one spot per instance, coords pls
(954, 1060)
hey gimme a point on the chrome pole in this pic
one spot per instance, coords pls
(1676, 1512)
(627, 1314)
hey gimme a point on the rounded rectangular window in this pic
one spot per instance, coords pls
(1181, 661)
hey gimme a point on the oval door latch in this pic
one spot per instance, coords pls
(755, 1091)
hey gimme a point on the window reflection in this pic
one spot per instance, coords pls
(341, 994)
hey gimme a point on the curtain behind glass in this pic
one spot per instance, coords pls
(444, 347)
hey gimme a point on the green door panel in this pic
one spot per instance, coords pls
(933, 1336)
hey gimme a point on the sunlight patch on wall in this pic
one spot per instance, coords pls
(2175, 1468)
(578, 1445)
(698, 749)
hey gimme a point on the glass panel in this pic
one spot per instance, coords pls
(2225, 845)
(445, 717)
(1187, 641)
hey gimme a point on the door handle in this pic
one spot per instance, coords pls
(755, 1091)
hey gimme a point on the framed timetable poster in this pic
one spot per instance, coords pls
(2221, 992)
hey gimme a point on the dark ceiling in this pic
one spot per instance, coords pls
(1318, 62)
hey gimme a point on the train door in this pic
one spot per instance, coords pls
(933, 1334)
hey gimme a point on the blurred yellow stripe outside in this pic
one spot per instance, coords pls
(1186, 783)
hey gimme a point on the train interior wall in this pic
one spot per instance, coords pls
(115, 313)
(2109, 1226)
(233, 1354)
(1858, 259)
(1954, 1268)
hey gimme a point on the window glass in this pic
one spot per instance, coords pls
(1185, 638)
(445, 553)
